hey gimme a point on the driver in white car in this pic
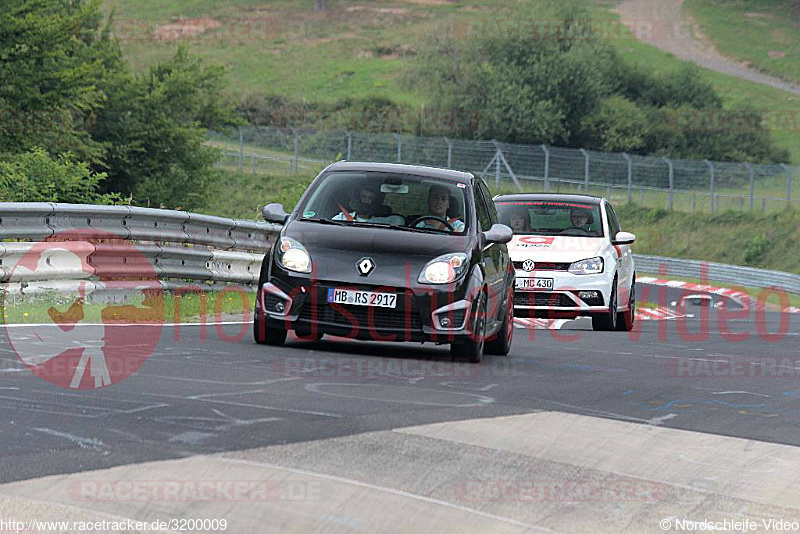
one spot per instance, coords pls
(580, 219)
(438, 204)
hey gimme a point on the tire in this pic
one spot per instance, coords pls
(500, 345)
(471, 349)
(625, 319)
(264, 334)
(608, 320)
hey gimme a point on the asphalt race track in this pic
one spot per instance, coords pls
(368, 414)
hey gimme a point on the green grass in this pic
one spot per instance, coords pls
(736, 93)
(190, 307)
(356, 49)
(763, 33)
(283, 47)
(724, 238)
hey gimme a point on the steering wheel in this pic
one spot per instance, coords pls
(576, 229)
(442, 220)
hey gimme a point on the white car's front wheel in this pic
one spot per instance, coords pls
(607, 320)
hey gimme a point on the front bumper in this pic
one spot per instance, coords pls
(439, 314)
(565, 299)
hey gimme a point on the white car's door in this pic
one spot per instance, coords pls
(624, 258)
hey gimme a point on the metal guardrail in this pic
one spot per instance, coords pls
(720, 272)
(183, 246)
(168, 244)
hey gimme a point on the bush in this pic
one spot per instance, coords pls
(36, 177)
(755, 250)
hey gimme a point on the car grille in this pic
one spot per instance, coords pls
(381, 318)
(542, 298)
(544, 266)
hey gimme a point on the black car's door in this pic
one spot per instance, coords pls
(494, 255)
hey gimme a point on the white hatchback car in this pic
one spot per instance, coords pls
(571, 258)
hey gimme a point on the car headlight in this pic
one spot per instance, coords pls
(590, 266)
(444, 269)
(293, 256)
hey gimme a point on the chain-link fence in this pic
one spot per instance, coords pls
(685, 185)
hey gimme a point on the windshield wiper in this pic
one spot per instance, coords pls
(328, 221)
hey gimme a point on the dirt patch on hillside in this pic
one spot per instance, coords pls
(185, 28)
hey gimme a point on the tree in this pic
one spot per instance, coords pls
(319, 5)
(155, 128)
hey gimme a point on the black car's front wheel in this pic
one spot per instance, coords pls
(471, 348)
(263, 334)
(501, 343)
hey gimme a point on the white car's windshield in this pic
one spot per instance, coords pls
(551, 217)
(397, 201)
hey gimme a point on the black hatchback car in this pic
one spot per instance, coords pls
(390, 252)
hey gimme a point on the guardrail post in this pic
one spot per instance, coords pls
(694, 201)
(546, 168)
(295, 149)
(630, 175)
(711, 168)
(349, 145)
(788, 184)
(671, 192)
(585, 171)
(399, 148)
(752, 186)
(449, 152)
(241, 149)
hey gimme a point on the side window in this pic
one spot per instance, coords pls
(613, 222)
(484, 220)
(488, 197)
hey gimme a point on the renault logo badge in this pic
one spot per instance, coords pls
(528, 265)
(365, 266)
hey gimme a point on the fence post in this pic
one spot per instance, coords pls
(295, 149)
(546, 168)
(349, 145)
(497, 164)
(449, 152)
(671, 193)
(585, 171)
(241, 149)
(752, 186)
(399, 147)
(788, 184)
(711, 168)
(630, 176)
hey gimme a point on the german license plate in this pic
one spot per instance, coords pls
(534, 283)
(362, 298)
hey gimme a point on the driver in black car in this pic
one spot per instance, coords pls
(438, 204)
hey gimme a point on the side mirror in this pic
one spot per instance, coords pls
(623, 238)
(498, 233)
(274, 213)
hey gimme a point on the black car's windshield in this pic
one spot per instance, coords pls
(551, 217)
(388, 200)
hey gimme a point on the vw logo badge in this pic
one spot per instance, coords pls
(365, 266)
(528, 265)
